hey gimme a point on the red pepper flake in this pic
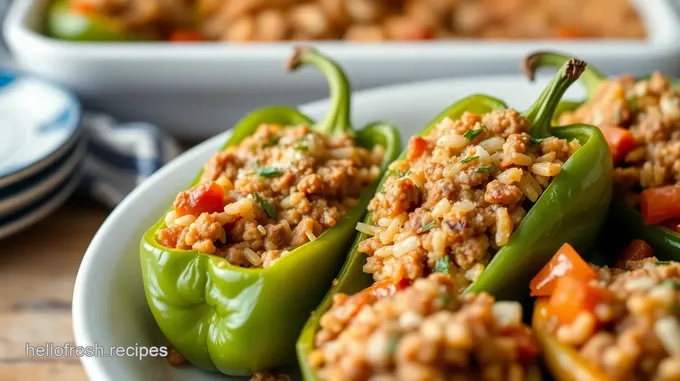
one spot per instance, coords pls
(204, 198)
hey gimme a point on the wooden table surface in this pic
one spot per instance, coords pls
(37, 272)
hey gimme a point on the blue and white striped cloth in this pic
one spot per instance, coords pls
(121, 156)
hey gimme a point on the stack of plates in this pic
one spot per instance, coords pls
(42, 148)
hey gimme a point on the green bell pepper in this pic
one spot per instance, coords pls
(65, 23)
(240, 320)
(572, 209)
(624, 221)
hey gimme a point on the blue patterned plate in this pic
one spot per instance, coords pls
(39, 123)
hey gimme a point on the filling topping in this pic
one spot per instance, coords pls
(275, 191)
(422, 332)
(458, 195)
(641, 121)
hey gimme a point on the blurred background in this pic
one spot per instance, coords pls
(129, 84)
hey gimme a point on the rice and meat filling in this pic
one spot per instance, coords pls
(275, 191)
(633, 333)
(650, 110)
(458, 195)
(423, 332)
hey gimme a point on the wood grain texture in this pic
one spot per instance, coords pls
(37, 272)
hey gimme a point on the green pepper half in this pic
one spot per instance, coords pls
(624, 221)
(240, 320)
(572, 209)
(64, 23)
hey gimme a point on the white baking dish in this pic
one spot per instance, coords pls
(196, 90)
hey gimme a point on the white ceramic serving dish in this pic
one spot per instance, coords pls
(198, 90)
(109, 307)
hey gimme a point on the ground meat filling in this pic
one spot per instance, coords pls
(650, 109)
(458, 195)
(423, 332)
(634, 334)
(275, 191)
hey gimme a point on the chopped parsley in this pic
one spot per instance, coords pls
(272, 142)
(536, 140)
(485, 169)
(268, 172)
(445, 299)
(633, 105)
(300, 147)
(671, 283)
(469, 159)
(392, 345)
(472, 134)
(664, 262)
(266, 206)
(429, 226)
(399, 173)
(442, 265)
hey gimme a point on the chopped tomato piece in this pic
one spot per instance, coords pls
(636, 251)
(569, 32)
(183, 35)
(416, 147)
(565, 262)
(660, 204)
(204, 198)
(85, 7)
(374, 292)
(573, 295)
(620, 140)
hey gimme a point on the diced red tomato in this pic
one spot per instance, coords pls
(84, 7)
(573, 295)
(660, 204)
(569, 32)
(635, 251)
(620, 140)
(416, 147)
(183, 35)
(374, 292)
(565, 262)
(204, 198)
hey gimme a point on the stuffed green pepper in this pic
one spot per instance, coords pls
(600, 323)
(641, 120)
(483, 195)
(233, 270)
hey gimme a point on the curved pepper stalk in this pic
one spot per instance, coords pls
(571, 209)
(623, 220)
(241, 320)
(565, 363)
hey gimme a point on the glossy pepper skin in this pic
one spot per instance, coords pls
(565, 363)
(240, 320)
(623, 220)
(572, 209)
(65, 23)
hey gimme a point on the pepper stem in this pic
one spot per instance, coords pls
(337, 120)
(590, 78)
(540, 114)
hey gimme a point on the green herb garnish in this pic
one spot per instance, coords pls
(671, 283)
(676, 308)
(272, 142)
(268, 172)
(445, 299)
(664, 262)
(392, 345)
(469, 159)
(536, 140)
(429, 226)
(485, 169)
(472, 134)
(442, 265)
(266, 206)
(300, 147)
(399, 173)
(633, 105)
